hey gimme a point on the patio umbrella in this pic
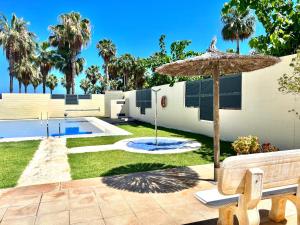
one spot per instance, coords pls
(216, 63)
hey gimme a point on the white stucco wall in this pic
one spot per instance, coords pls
(264, 110)
(117, 108)
(108, 97)
(30, 106)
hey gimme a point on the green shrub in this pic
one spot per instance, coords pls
(246, 145)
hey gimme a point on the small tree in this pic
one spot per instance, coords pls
(290, 84)
(93, 74)
(51, 82)
(36, 81)
(85, 85)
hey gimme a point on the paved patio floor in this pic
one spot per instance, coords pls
(151, 198)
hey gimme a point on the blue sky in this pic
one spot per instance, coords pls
(134, 26)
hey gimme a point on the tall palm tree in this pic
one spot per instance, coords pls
(26, 72)
(46, 60)
(238, 25)
(71, 35)
(85, 84)
(107, 50)
(64, 65)
(17, 42)
(51, 82)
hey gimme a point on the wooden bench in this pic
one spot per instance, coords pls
(246, 179)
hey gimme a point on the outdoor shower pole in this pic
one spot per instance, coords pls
(155, 116)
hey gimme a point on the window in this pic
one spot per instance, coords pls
(143, 99)
(199, 94)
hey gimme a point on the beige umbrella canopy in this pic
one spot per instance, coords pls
(215, 63)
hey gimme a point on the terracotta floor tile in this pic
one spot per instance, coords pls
(128, 219)
(108, 195)
(26, 200)
(114, 209)
(169, 199)
(22, 221)
(91, 222)
(142, 203)
(52, 207)
(61, 218)
(82, 183)
(6, 201)
(84, 215)
(2, 211)
(21, 211)
(30, 190)
(189, 213)
(55, 196)
(85, 200)
(91, 202)
(155, 217)
(77, 192)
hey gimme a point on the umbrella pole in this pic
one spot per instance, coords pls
(216, 83)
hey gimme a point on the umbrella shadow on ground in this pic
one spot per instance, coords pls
(159, 181)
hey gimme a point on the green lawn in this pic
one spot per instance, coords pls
(116, 162)
(106, 163)
(15, 156)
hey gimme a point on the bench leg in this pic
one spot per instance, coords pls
(277, 213)
(225, 216)
(248, 216)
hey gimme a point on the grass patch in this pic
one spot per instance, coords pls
(116, 162)
(15, 156)
(105, 140)
(107, 163)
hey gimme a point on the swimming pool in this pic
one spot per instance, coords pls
(70, 127)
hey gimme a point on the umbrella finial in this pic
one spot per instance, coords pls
(212, 46)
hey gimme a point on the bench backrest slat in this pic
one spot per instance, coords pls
(280, 169)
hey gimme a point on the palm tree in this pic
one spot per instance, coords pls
(85, 84)
(46, 60)
(107, 50)
(93, 74)
(125, 64)
(26, 72)
(71, 35)
(139, 71)
(17, 42)
(51, 82)
(64, 65)
(238, 26)
(36, 81)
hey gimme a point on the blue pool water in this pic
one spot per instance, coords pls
(36, 128)
(162, 144)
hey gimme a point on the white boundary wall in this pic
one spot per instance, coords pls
(30, 106)
(264, 110)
